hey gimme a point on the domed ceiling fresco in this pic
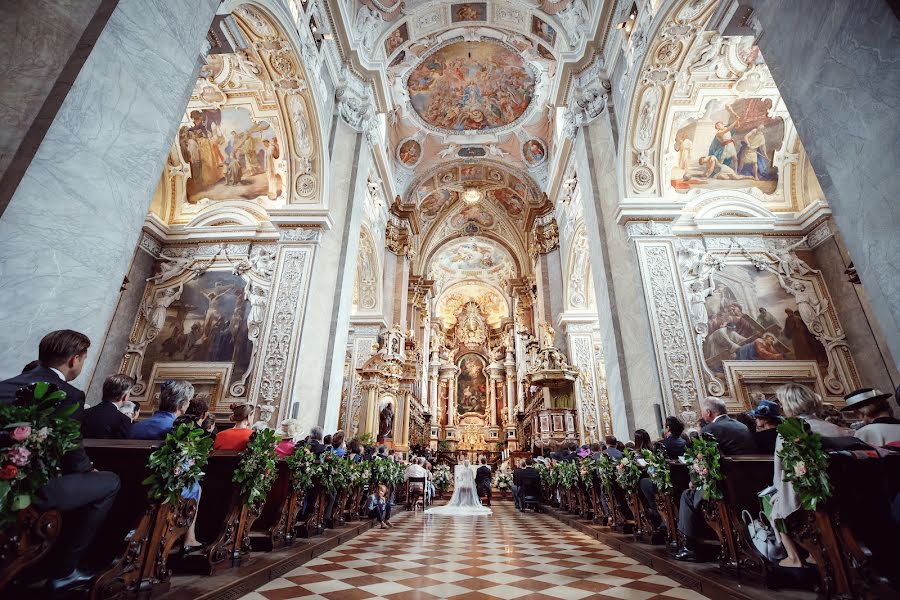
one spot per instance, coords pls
(471, 86)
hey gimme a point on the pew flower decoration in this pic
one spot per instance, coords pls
(334, 471)
(804, 462)
(442, 478)
(628, 471)
(256, 470)
(303, 465)
(658, 470)
(568, 474)
(503, 482)
(178, 464)
(360, 474)
(587, 468)
(35, 435)
(607, 469)
(382, 471)
(702, 458)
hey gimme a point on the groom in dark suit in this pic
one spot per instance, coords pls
(83, 494)
(483, 480)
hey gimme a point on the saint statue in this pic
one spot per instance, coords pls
(385, 422)
(549, 334)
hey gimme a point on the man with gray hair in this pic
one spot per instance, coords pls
(174, 397)
(733, 438)
(316, 435)
(105, 421)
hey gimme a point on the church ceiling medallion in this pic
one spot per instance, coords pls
(480, 86)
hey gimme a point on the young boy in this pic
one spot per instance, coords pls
(379, 507)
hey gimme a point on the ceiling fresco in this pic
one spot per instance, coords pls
(471, 86)
(471, 258)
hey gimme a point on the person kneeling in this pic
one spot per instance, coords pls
(379, 507)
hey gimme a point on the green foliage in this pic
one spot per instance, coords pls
(658, 470)
(366, 439)
(387, 472)
(628, 471)
(335, 472)
(256, 470)
(442, 478)
(178, 463)
(360, 474)
(444, 446)
(587, 468)
(567, 474)
(702, 458)
(36, 433)
(804, 462)
(304, 465)
(607, 469)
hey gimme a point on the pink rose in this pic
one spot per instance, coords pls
(18, 455)
(800, 469)
(704, 472)
(20, 433)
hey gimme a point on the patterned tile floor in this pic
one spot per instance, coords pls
(505, 555)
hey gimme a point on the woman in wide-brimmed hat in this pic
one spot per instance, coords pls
(881, 427)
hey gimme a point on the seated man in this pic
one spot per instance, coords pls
(529, 483)
(416, 470)
(733, 438)
(81, 493)
(174, 398)
(517, 481)
(483, 480)
(106, 420)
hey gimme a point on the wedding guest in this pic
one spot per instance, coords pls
(483, 480)
(642, 440)
(767, 415)
(105, 420)
(174, 398)
(379, 508)
(415, 470)
(238, 436)
(747, 419)
(596, 451)
(674, 441)
(83, 494)
(356, 450)
(31, 366)
(315, 441)
(733, 438)
(881, 428)
(337, 444)
(612, 448)
(796, 401)
(292, 434)
(529, 482)
(327, 441)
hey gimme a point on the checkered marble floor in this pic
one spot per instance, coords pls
(506, 555)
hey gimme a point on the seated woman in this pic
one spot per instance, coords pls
(796, 401)
(238, 436)
(293, 433)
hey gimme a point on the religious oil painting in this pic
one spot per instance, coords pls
(545, 52)
(510, 201)
(409, 153)
(472, 214)
(435, 203)
(471, 86)
(469, 11)
(751, 317)
(471, 385)
(471, 172)
(732, 146)
(470, 258)
(397, 38)
(543, 30)
(232, 155)
(207, 323)
(534, 152)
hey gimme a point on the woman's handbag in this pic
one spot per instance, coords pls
(763, 537)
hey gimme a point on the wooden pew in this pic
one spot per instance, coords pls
(668, 503)
(27, 541)
(274, 528)
(743, 478)
(140, 533)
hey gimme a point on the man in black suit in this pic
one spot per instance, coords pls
(529, 482)
(483, 480)
(733, 438)
(105, 420)
(673, 442)
(81, 493)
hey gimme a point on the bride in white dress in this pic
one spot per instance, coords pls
(465, 499)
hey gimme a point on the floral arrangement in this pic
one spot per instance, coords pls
(178, 464)
(334, 472)
(587, 468)
(568, 474)
(442, 478)
(503, 482)
(658, 470)
(607, 469)
(804, 462)
(360, 474)
(256, 470)
(628, 471)
(34, 437)
(702, 458)
(304, 465)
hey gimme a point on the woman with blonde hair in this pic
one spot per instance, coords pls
(801, 402)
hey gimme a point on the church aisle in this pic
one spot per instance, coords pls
(506, 555)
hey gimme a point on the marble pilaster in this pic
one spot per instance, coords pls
(837, 66)
(551, 291)
(70, 229)
(631, 369)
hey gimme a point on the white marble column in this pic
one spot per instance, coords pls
(837, 66)
(632, 376)
(493, 396)
(70, 229)
(434, 399)
(550, 302)
(315, 398)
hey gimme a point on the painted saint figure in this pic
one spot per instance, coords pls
(722, 146)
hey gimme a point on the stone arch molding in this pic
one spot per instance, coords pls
(265, 86)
